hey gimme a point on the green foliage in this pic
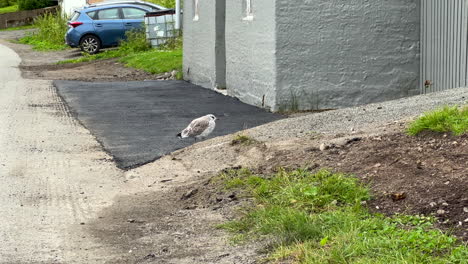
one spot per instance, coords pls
(5, 3)
(135, 42)
(165, 3)
(447, 119)
(8, 9)
(241, 139)
(50, 33)
(319, 218)
(33, 4)
(155, 61)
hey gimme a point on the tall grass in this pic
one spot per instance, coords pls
(50, 33)
(447, 119)
(319, 218)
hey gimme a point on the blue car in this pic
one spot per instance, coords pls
(93, 28)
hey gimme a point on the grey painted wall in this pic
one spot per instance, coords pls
(335, 53)
(305, 54)
(199, 62)
(250, 52)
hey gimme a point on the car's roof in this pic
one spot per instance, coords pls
(88, 9)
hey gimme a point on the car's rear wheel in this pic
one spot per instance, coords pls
(90, 44)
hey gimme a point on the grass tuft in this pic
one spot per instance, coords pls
(319, 218)
(241, 139)
(447, 119)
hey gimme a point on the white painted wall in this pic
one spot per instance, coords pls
(68, 6)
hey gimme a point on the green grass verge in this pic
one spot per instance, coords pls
(17, 28)
(153, 61)
(447, 119)
(319, 218)
(9, 9)
(136, 52)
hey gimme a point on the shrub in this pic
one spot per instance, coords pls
(33, 4)
(5, 3)
(135, 42)
(51, 29)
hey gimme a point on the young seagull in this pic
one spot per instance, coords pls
(199, 128)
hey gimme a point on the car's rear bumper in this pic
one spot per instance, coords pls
(72, 38)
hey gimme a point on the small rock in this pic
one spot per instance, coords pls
(445, 204)
(377, 207)
(150, 256)
(189, 194)
(466, 220)
(398, 196)
(232, 196)
(447, 182)
(323, 147)
(166, 180)
(377, 165)
(465, 209)
(440, 212)
(433, 204)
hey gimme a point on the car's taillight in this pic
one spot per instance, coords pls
(75, 24)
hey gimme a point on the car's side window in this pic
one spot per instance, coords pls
(111, 13)
(92, 14)
(133, 13)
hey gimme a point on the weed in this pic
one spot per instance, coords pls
(49, 36)
(447, 119)
(319, 218)
(135, 42)
(241, 139)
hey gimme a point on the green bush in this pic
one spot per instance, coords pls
(49, 36)
(5, 3)
(135, 42)
(33, 4)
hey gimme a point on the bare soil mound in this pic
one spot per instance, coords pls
(426, 175)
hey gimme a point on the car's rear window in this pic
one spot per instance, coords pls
(75, 16)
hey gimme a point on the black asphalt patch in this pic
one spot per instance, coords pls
(137, 122)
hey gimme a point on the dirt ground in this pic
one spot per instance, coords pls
(169, 210)
(415, 175)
